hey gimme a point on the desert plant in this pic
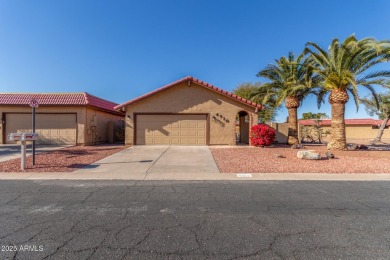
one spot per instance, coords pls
(260, 95)
(262, 135)
(120, 133)
(291, 80)
(344, 67)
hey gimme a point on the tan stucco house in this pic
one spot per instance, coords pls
(188, 112)
(61, 118)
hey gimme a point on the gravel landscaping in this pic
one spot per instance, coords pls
(64, 160)
(281, 159)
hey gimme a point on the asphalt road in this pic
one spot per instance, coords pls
(194, 220)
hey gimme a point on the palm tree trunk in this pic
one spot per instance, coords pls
(381, 129)
(292, 126)
(338, 139)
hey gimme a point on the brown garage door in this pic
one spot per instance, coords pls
(52, 128)
(171, 129)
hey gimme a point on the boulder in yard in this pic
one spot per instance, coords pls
(353, 147)
(363, 147)
(297, 146)
(329, 155)
(309, 155)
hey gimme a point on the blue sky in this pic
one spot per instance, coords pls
(119, 50)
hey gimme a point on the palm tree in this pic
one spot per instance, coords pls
(292, 79)
(343, 68)
(263, 95)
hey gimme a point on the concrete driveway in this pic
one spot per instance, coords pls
(12, 151)
(144, 162)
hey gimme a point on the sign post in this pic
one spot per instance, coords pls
(34, 104)
(23, 157)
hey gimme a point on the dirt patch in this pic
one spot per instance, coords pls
(64, 160)
(281, 159)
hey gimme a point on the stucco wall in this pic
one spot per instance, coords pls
(97, 126)
(355, 131)
(194, 99)
(358, 132)
(281, 132)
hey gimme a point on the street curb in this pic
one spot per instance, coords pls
(197, 176)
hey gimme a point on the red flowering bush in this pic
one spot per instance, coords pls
(262, 135)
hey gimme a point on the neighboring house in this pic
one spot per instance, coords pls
(364, 128)
(188, 112)
(61, 118)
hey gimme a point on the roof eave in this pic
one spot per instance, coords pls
(199, 82)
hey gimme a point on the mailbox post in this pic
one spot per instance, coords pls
(23, 154)
(23, 138)
(34, 104)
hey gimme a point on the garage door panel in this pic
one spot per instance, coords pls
(52, 128)
(175, 125)
(201, 133)
(175, 140)
(153, 125)
(191, 124)
(63, 132)
(171, 129)
(201, 125)
(43, 131)
(189, 141)
(44, 140)
(188, 132)
(175, 132)
(201, 140)
(161, 140)
(56, 132)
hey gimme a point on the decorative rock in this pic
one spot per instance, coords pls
(297, 146)
(329, 155)
(352, 147)
(363, 147)
(309, 155)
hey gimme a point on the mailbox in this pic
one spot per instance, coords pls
(22, 136)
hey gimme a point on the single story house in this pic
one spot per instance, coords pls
(362, 128)
(188, 112)
(61, 118)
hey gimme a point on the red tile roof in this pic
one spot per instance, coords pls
(65, 99)
(199, 82)
(357, 121)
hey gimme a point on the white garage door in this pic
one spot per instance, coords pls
(52, 128)
(171, 129)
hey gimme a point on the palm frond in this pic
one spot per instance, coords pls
(292, 76)
(355, 96)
